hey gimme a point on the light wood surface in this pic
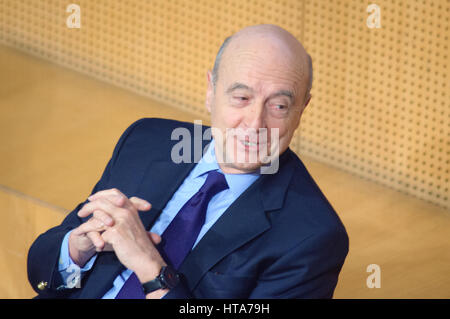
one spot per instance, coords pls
(23, 219)
(58, 129)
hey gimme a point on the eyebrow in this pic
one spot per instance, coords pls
(287, 93)
(241, 86)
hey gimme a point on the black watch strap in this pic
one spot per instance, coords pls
(167, 278)
(152, 285)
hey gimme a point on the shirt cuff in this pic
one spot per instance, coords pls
(71, 273)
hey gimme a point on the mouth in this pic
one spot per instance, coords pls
(252, 145)
(248, 143)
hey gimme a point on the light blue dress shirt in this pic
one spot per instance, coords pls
(237, 183)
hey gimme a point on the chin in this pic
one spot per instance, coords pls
(241, 168)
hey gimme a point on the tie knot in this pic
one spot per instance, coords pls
(215, 183)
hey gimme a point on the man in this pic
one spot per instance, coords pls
(218, 228)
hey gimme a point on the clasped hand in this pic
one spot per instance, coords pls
(115, 225)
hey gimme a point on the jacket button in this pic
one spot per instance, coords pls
(42, 285)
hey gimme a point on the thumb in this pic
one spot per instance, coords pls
(155, 238)
(140, 204)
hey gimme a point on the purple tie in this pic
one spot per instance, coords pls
(182, 232)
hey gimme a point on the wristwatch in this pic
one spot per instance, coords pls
(167, 278)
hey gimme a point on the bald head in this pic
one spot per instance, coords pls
(271, 39)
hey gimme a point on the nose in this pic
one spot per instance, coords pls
(255, 116)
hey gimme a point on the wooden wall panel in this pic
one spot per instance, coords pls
(380, 106)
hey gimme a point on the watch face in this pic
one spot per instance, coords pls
(170, 277)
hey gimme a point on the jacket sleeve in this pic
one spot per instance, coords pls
(179, 292)
(43, 255)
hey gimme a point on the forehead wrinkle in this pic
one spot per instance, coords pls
(281, 81)
(259, 84)
(261, 72)
(238, 86)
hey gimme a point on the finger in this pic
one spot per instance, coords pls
(117, 200)
(121, 198)
(100, 204)
(108, 236)
(85, 210)
(91, 225)
(140, 204)
(96, 240)
(155, 238)
(103, 217)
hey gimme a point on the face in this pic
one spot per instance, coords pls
(257, 92)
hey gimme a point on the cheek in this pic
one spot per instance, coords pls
(233, 119)
(224, 116)
(280, 124)
(284, 132)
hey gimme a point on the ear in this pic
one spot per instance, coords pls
(307, 101)
(301, 111)
(209, 91)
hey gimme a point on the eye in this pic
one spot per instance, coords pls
(280, 107)
(241, 98)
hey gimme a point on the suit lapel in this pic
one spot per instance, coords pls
(160, 182)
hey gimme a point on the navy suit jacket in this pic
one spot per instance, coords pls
(280, 239)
